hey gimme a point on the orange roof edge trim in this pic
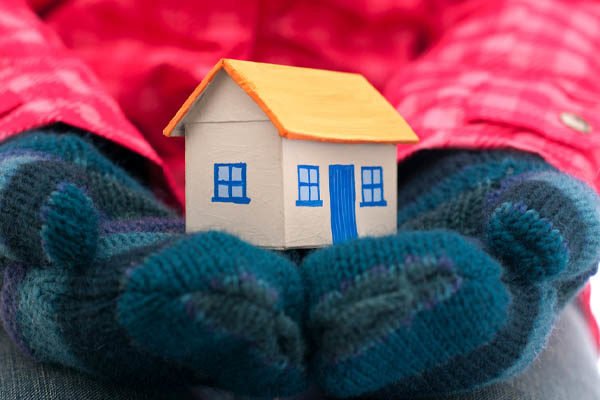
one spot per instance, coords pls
(190, 100)
(241, 80)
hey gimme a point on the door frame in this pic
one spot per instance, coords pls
(342, 200)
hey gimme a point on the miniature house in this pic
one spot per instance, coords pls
(287, 157)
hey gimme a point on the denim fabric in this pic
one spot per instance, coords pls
(23, 379)
(566, 369)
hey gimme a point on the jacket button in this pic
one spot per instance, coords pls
(575, 122)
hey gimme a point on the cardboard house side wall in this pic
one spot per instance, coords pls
(226, 126)
(311, 226)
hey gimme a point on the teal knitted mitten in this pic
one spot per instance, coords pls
(491, 246)
(99, 276)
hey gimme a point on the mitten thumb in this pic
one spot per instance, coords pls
(47, 214)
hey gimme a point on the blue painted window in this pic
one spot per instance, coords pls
(230, 183)
(372, 187)
(308, 186)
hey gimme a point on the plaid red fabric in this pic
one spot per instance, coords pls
(470, 73)
(505, 76)
(42, 82)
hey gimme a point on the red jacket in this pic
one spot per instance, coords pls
(471, 73)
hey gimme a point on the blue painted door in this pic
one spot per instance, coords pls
(342, 199)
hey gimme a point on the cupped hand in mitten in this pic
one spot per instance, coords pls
(100, 277)
(491, 245)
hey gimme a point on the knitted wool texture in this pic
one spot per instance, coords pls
(99, 276)
(491, 246)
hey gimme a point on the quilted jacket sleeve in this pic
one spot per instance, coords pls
(517, 73)
(42, 83)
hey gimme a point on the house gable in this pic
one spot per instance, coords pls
(222, 101)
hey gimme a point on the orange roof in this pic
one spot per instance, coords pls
(312, 104)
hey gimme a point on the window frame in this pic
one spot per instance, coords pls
(230, 184)
(309, 184)
(371, 186)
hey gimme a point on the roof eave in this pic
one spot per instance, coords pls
(412, 139)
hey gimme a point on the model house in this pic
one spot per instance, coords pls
(288, 157)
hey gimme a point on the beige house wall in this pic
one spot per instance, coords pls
(226, 126)
(311, 226)
(259, 146)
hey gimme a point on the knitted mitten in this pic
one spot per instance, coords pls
(491, 246)
(99, 276)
